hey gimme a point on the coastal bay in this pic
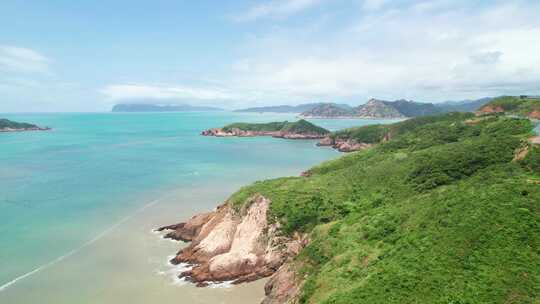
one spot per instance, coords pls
(72, 202)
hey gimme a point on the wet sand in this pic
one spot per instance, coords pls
(129, 263)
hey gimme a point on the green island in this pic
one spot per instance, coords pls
(442, 213)
(7, 125)
(301, 126)
(301, 129)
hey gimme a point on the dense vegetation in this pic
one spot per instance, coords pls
(516, 105)
(9, 124)
(300, 127)
(441, 213)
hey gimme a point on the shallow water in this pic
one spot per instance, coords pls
(78, 203)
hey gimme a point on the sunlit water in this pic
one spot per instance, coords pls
(78, 204)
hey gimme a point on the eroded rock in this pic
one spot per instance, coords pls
(234, 245)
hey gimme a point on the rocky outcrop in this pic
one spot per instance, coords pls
(233, 245)
(489, 109)
(218, 132)
(283, 287)
(534, 114)
(187, 231)
(343, 145)
(24, 129)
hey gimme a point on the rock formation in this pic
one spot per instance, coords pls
(343, 145)
(489, 109)
(239, 246)
(535, 114)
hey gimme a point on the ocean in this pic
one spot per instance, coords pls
(78, 204)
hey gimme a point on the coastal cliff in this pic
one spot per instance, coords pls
(441, 209)
(238, 246)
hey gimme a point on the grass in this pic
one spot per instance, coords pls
(441, 213)
(301, 127)
(516, 105)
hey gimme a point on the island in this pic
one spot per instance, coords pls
(7, 125)
(301, 129)
(440, 209)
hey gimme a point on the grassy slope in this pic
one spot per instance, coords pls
(301, 126)
(5, 123)
(440, 214)
(515, 105)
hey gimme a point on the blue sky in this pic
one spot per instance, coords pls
(88, 55)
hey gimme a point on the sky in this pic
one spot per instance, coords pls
(64, 55)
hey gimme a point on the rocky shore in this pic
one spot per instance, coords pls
(238, 246)
(235, 132)
(7, 125)
(24, 129)
(343, 145)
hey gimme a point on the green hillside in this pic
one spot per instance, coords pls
(9, 124)
(516, 105)
(299, 127)
(441, 213)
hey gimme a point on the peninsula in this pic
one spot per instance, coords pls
(439, 209)
(7, 125)
(301, 129)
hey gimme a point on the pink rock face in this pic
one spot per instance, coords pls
(282, 287)
(232, 245)
(188, 230)
(350, 145)
(535, 140)
(491, 109)
(535, 114)
(327, 141)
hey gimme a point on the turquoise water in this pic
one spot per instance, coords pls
(64, 189)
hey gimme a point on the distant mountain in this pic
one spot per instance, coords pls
(140, 107)
(467, 105)
(412, 109)
(376, 108)
(329, 110)
(289, 109)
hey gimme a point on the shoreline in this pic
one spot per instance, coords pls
(10, 130)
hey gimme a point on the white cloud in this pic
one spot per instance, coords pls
(18, 59)
(119, 92)
(429, 51)
(373, 4)
(276, 9)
